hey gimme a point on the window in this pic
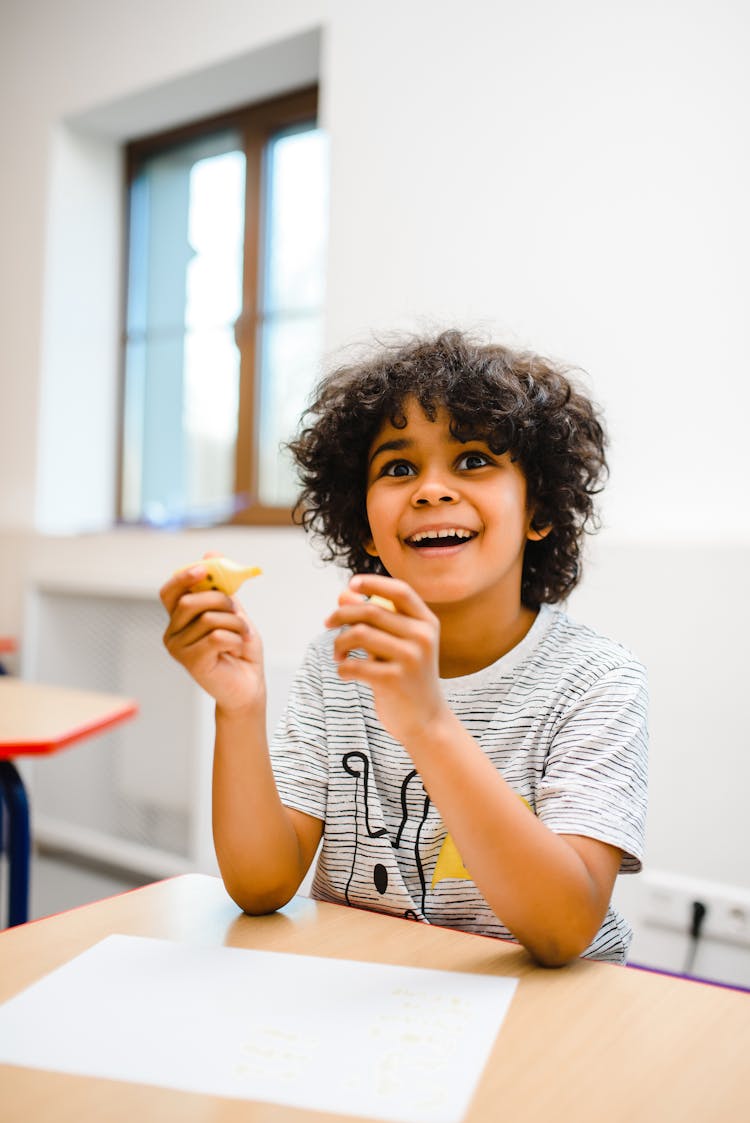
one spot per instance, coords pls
(223, 331)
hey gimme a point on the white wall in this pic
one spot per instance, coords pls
(572, 177)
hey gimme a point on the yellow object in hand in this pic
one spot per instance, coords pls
(223, 574)
(383, 602)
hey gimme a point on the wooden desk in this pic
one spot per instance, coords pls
(37, 719)
(583, 1044)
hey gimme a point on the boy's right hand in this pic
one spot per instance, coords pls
(210, 635)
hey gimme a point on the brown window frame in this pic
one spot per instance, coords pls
(257, 124)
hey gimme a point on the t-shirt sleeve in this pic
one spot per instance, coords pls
(595, 775)
(299, 756)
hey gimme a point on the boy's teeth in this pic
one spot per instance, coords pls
(448, 533)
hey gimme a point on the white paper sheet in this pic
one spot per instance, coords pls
(396, 1043)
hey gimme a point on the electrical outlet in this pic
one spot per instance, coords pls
(667, 902)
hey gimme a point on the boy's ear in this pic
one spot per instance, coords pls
(369, 546)
(536, 534)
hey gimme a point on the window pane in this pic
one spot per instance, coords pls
(182, 366)
(215, 232)
(290, 359)
(296, 184)
(296, 232)
(133, 419)
(213, 303)
(209, 418)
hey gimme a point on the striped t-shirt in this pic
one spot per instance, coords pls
(562, 716)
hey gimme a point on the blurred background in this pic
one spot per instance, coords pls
(203, 206)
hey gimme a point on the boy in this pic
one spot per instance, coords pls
(469, 755)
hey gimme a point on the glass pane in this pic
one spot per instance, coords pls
(296, 230)
(132, 443)
(215, 232)
(182, 365)
(162, 498)
(290, 350)
(209, 418)
(296, 184)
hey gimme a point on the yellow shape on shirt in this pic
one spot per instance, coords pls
(450, 862)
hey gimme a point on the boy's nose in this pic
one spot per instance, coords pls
(432, 492)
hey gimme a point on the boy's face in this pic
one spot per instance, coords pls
(448, 517)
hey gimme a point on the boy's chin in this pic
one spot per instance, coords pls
(443, 593)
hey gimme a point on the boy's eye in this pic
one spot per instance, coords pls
(473, 460)
(397, 468)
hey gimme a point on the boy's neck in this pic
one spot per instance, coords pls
(469, 645)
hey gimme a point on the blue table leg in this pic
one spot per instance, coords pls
(2, 837)
(13, 795)
(3, 840)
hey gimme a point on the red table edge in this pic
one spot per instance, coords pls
(52, 745)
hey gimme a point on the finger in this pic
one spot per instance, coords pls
(191, 605)
(401, 595)
(179, 584)
(357, 610)
(372, 672)
(203, 654)
(375, 643)
(215, 646)
(221, 640)
(350, 597)
(195, 627)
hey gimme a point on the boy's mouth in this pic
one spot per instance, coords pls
(440, 538)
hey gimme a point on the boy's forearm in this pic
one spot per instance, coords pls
(257, 847)
(533, 880)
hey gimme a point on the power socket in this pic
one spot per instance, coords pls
(667, 902)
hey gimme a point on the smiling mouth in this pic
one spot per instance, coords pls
(449, 536)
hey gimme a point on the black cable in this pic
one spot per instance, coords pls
(699, 912)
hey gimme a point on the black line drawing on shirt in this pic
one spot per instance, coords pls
(404, 817)
(404, 808)
(380, 877)
(362, 774)
(357, 764)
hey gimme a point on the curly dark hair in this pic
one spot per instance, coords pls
(515, 401)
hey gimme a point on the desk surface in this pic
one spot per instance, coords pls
(35, 718)
(589, 1042)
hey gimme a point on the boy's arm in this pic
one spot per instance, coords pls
(264, 849)
(550, 890)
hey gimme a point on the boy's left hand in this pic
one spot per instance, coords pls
(401, 653)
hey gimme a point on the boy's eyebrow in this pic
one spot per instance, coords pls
(396, 445)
